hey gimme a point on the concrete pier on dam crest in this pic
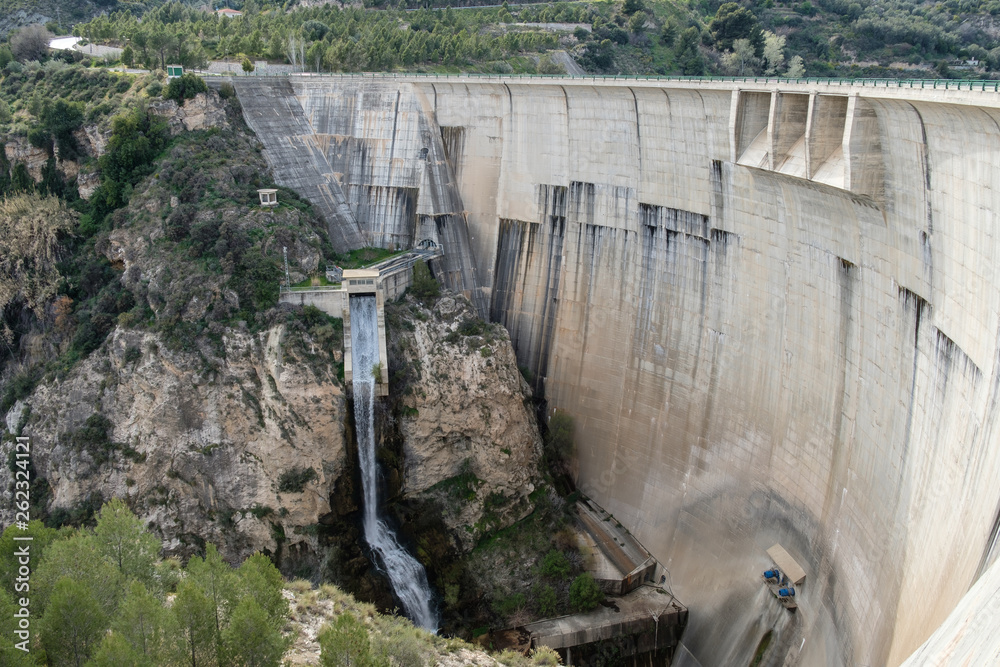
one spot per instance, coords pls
(772, 309)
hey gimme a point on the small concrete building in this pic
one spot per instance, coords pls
(268, 196)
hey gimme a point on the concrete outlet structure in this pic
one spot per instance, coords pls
(335, 301)
(772, 309)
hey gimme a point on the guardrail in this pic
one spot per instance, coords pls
(310, 288)
(982, 85)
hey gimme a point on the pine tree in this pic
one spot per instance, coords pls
(346, 644)
(115, 651)
(260, 580)
(79, 559)
(21, 180)
(10, 655)
(73, 623)
(144, 624)
(252, 638)
(193, 613)
(217, 581)
(123, 540)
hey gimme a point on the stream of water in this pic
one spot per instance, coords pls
(406, 574)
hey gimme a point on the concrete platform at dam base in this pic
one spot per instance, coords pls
(648, 620)
(771, 308)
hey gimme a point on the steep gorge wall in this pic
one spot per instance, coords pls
(752, 353)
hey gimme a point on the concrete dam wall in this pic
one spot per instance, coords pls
(774, 314)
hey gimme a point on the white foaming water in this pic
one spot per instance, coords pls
(406, 574)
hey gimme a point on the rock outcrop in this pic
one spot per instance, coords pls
(471, 439)
(236, 443)
(203, 111)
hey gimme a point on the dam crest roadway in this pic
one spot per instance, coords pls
(772, 309)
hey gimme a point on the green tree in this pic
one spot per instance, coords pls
(734, 22)
(114, 651)
(314, 30)
(160, 41)
(73, 623)
(774, 53)
(668, 34)
(78, 559)
(252, 639)
(637, 23)
(559, 440)
(689, 58)
(247, 65)
(62, 119)
(193, 613)
(143, 624)
(256, 281)
(52, 180)
(41, 537)
(795, 68)
(184, 88)
(216, 579)
(584, 593)
(555, 565)
(630, 7)
(741, 60)
(424, 286)
(21, 180)
(10, 654)
(128, 56)
(546, 600)
(136, 138)
(5, 115)
(346, 644)
(260, 580)
(314, 56)
(122, 539)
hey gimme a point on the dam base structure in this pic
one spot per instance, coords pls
(771, 308)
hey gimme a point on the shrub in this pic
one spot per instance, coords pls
(345, 642)
(294, 480)
(20, 386)
(185, 87)
(31, 43)
(545, 599)
(555, 565)
(509, 604)
(132, 354)
(559, 445)
(584, 593)
(424, 286)
(472, 326)
(136, 139)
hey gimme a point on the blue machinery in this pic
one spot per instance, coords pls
(780, 587)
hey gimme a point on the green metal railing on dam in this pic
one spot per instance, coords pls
(981, 85)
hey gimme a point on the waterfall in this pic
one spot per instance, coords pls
(406, 574)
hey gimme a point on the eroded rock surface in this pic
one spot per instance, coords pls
(198, 442)
(471, 440)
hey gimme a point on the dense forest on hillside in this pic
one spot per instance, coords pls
(831, 37)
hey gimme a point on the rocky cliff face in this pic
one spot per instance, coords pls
(241, 440)
(471, 442)
(203, 111)
(236, 443)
